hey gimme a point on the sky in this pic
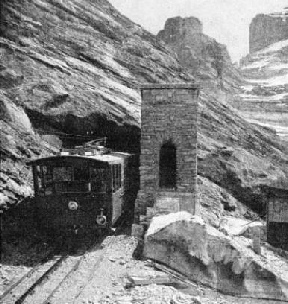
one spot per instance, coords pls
(225, 20)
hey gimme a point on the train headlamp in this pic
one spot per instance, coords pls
(72, 205)
(101, 219)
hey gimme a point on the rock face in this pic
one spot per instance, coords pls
(206, 255)
(79, 76)
(264, 97)
(202, 55)
(73, 67)
(267, 29)
(216, 204)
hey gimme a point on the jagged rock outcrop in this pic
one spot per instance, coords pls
(178, 27)
(187, 244)
(203, 56)
(267, 29)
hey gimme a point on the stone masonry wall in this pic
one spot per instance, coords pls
(168, 113)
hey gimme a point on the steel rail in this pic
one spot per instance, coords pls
(57, 263)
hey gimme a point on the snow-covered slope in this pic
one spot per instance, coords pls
(264, 97)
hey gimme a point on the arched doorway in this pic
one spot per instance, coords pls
(167, 166)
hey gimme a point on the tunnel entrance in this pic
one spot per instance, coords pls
(167, 166)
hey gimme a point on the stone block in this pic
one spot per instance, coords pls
(167, 204)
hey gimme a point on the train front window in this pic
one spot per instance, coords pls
(44, 180)
(61, 174)
(81, 174)
(69, 179)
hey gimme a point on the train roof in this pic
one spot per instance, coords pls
(92, 150)
(104, 158)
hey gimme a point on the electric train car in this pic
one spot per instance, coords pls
(83, 188)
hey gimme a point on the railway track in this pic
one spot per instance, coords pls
(84, 276)
(37, 279)
(17, 293)
(47, 283)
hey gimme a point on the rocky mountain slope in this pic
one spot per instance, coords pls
(264, 96)
(73, 67)
(204, 57)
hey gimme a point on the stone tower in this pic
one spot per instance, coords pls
(168, 162)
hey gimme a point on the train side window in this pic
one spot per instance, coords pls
(98, 179)
(47, 173)
(113, 179)
(116, 177)
(119, 176)
(39, 178)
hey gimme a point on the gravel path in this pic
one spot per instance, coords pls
(103, 278)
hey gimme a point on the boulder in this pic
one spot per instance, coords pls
(204, 254)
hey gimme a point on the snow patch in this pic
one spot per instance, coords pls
(271, 82)
(274, 47)
(251, 97)
(256, 65)
(247, 87)
(162, 221)
(279, 66)
(256, 81)
(277, 81)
